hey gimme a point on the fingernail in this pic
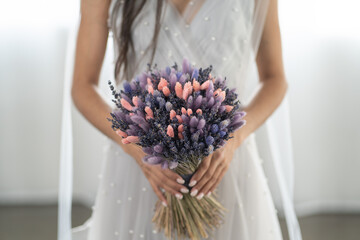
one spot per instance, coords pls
(209, 194)
(184, 190)
(192, 183)
(194, 192)
(164, 204)
(179, 196)
(200, 196)
(180, 181)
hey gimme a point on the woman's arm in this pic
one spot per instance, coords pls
(268, 98)
(90, 51)
(271, 74)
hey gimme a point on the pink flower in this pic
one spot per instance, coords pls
(135, 101)
(178, 90)
(170, 131)
(126, 104)
(189, 87)
(183, 110)
(185, 94)
(149, 82)
(196, 85)
(199, 111)
(181, 128)
(149, 112)
(205, 85)
(166, 91)
(189, 111)
(172, 114)
(180, 135)
(187, 90)
(132, 139)
(163, 83)
(217, 92)
(179, 118)
(228, 108)
(121, 133)
(222, 95)
(150, 89)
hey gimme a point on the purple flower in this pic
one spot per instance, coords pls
(224, 123)
(214, 128)
(194, 122)
(201, 124)
(153, 160)
(238, 125)
(195, 74)
(173, 164)
(158, 148)
(127, 87)
(148, 150)
(209, 140)
(172, 80)
(197, 102)
(168, 71)
(190, 101)
(222, 133)
(211, 102)
(137, 119)
(168, 106)
(164, 165)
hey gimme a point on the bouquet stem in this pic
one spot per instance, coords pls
(188, 217)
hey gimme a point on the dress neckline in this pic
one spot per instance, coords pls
(190, 13)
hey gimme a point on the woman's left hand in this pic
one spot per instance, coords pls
(211, 170)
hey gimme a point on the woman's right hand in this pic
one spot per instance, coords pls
(158, 178)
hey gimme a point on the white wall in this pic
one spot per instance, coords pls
(322, 60)
(321, 45)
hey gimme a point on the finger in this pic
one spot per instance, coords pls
(204, 165)
(208, 176)
(212, 189)
(170, 189)
(176, 177)
(159, 194)
(204, 191)
(173, 181)
(162, 180)
(171, 186)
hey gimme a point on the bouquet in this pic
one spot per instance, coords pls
(179, 117)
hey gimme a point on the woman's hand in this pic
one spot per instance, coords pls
(211, 170)
(158, 177)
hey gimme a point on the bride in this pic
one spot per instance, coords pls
(229, 35)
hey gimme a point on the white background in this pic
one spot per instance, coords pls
(321, 45)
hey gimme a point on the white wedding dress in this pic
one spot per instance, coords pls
(219, 34)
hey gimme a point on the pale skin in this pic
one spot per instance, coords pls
(90, 50)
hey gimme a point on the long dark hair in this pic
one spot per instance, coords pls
(123, 36)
